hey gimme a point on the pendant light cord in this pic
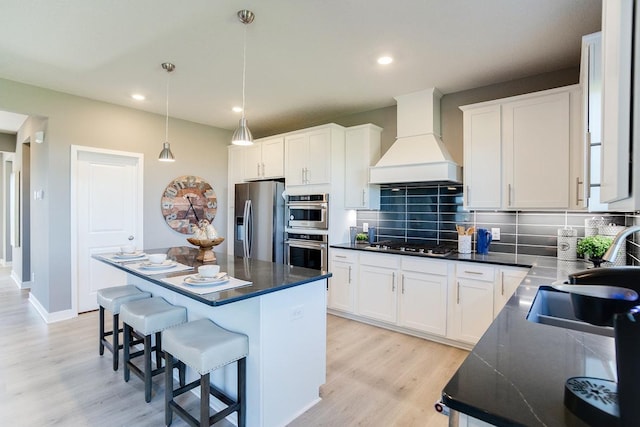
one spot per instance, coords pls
(244, 65)
(166, 123)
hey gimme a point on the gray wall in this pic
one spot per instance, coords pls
(70, 120)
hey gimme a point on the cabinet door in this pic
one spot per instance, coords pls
(362, 149)
(296, 151)
(536, 144)
(617, 28)
(423, 302)
(318, 162)
(473, 309)
(236, 165)
(377, 293)
(482, 158)
(253, 161)
(273, 157)
(341, 284)
(508, 282)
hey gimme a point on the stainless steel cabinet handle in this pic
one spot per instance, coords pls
(349, 274)
(467, 194)
(509, 195)
(403, 283)
(307, 174)
(393, 282)
(472, 272)
(363, 194)
(339, 256)
(502, 282)
(258, 166)
(587, 176)
(263, 171)
(458, 294)
(304, 181)
(578, 199)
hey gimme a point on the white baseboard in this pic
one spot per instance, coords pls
(56, 316)
(19, 283)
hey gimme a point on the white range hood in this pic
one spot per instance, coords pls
(418, 155)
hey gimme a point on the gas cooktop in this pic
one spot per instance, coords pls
(426, 249)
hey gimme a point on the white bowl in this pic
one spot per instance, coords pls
(157, 258)
(128, 249)
(208, 270)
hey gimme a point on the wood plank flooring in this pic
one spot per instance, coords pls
(52, 375)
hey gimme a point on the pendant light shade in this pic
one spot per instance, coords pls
(242, 135)
(166, 155)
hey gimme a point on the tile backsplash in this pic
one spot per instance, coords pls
(430, 213)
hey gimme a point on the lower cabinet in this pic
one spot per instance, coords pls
(471, 308)
(343, 265)
(448, 299)
(377, 287)
(423, 295)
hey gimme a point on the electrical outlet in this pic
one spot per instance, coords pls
(365, 227)
(296, 312)
(495, 233)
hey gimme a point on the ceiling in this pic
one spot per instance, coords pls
(307, 61)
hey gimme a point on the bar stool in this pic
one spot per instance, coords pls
(148, 317)
(112, 299)
(205, 347)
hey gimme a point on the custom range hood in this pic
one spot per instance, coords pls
(418, 155)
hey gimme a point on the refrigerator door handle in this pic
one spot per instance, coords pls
(245, 219)
(250, 228)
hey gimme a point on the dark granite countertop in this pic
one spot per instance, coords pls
(266, 277)
(515, 374)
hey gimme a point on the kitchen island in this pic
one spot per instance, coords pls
(283, 312)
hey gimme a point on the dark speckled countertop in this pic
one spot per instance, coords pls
(515, 375)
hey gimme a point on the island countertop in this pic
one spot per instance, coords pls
(265, 277)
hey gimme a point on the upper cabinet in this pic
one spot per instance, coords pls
(518, 152)
(362, 150)
(264, 159)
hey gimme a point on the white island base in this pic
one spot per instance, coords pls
(287, 348)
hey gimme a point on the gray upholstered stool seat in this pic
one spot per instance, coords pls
(205, 347)
(148, 317)
(112, 299)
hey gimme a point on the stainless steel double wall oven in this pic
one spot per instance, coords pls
(306, 243)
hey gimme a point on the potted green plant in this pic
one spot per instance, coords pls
(362, 238)
(594, 247)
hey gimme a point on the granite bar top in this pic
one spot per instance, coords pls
(515, 374)
(266, 277)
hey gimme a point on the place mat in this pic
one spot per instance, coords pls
(135, 266)
(117, 257)
(206, 289)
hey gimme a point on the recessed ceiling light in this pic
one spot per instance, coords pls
(385, 60)
(237, 109)
(138, 97)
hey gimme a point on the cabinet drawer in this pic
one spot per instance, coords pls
(380, 260)
(344, 256)
(475, 271)
(424, 266)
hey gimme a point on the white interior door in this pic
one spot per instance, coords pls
(108, 198)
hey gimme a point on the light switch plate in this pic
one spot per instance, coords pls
(495, 233)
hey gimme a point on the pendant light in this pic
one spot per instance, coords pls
(242, 135)
(166, 155)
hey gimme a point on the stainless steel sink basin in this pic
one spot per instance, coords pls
(551, 307)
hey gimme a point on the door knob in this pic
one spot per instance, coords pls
(131, 237)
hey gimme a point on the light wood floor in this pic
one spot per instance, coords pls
(52, 375)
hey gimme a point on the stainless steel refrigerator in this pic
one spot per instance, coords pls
(259, 221)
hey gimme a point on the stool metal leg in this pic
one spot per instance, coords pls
(205, 389)
(168, 388)
(147, 368)
(159, 350)
(127, 351)
(242, 392)
(101, 330)
(116, 344)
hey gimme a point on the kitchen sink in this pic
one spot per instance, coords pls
(552, 307)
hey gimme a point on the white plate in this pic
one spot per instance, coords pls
(132, 255)
(161, 266)
(198, 280)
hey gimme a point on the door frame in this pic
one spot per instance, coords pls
(76, 150)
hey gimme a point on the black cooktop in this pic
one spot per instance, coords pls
(422, 248)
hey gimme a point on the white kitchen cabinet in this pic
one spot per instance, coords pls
(362, 150)
(308, 157)
(482, 157)
(520, 151)
(264, 159)
(377, 287)
(471, 308)
(617, 66)
(343, 266)
(423, 295)
(507, 282)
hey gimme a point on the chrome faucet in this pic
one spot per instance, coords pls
(618, 241)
